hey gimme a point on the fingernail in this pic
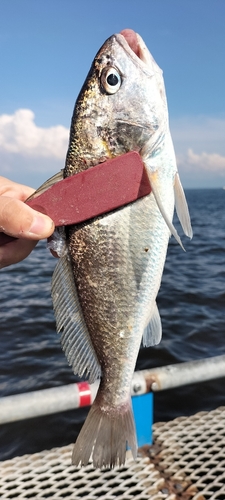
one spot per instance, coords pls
(41, 226)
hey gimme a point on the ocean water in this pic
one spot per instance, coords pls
(191, 302)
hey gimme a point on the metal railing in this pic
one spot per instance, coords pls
(68, 397)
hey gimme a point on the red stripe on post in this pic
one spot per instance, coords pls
(84, 394)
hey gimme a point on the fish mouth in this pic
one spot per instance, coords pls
(132, 40)
(134, 45)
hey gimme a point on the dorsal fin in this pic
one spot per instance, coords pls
(75, 339)
(47, 184)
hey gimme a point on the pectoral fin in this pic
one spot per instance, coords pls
(182, 207)
(153, 331)
(75, 338)
(161, 208)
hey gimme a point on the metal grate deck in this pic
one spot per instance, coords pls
(186, 461)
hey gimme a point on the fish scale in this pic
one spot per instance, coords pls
(105, 285)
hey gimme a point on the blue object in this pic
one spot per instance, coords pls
(143, 415)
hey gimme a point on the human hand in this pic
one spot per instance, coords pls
(19, 220)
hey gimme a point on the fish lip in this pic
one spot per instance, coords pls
(144, 59)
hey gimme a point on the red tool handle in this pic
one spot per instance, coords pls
(93, 192)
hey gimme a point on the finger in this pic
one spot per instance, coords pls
(14, 190)
(15, 251)
(19, 220)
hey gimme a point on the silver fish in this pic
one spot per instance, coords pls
(105, 284)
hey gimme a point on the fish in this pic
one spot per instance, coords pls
(105, 284)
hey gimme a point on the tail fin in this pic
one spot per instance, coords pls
(106, 432)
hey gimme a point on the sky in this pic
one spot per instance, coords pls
(47, 47)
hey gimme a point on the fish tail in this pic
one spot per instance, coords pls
(106, 434)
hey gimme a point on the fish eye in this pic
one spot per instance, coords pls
(111, 80)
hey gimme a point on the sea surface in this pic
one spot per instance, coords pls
(191, 302)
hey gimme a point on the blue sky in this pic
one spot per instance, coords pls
(46, 49)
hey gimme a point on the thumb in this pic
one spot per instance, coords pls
(19, 220)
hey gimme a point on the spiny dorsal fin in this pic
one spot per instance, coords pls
(75, 338)
(47, 184)
(153, 331)
(182, 207)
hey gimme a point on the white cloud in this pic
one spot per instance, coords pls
(199, 143)
(206, 161)
(20, 135)
(31, 154)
